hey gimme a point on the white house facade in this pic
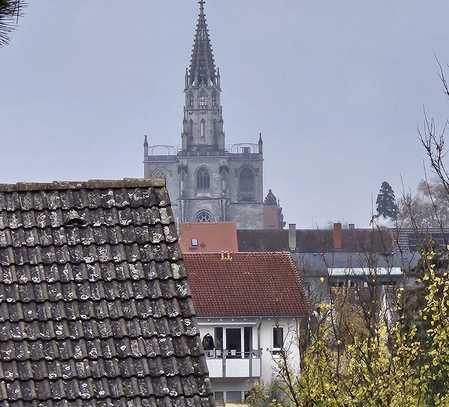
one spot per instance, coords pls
(246, 351)
(249, 308)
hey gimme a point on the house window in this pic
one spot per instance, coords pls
(204, 217)
(248, 341)
(218, 337)
(234, 396)
(278, 338)
(247, 185)
(202, 180)
(194, 243)
(234, 343)
(203, 101)
(219, 396)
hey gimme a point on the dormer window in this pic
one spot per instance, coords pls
(203, 101)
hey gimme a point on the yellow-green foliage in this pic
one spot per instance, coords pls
(399, 364)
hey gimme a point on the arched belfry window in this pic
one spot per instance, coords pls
(190, 100)
(202, 180)
(203, 101)
(204, 217)
(247, 187)
(203, 129)
(214, 99)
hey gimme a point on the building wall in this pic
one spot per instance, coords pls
(247, 215)
(272, 217)
(222, 200)
(237, 163)
(165, 167)
(291, 343)
(262, 340)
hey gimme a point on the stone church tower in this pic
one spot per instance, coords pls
(208, 181)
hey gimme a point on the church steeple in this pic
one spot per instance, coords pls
(203, 119)
(202, 65)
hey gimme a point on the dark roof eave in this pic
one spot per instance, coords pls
(221, 316)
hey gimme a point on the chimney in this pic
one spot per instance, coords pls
(292, 237)
(337, 236)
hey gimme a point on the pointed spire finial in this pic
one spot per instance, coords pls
(201, 3)
(202, 65)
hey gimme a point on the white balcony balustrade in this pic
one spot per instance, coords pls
(233, 364)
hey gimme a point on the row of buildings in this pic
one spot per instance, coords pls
(253, 281)
(103, 305)
(237, 275)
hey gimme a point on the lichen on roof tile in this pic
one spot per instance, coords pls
(95, 308)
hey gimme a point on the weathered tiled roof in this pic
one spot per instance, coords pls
(210, 237)
(246, 285)
(95, 309)
(413, 240)
(315, 241)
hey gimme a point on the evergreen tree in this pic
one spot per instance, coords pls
(386, 202)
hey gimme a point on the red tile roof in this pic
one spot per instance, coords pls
(210, 237)
(251, 284)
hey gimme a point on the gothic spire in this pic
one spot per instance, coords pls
(202, 65)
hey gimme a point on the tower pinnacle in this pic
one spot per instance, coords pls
(201, 3)
(203, 117)
(202, 65)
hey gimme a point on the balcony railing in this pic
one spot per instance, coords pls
(232, 354)
(231, 363)
(165, 150)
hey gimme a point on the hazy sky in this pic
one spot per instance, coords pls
(336, 87)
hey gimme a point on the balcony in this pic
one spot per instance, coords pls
(233, 364)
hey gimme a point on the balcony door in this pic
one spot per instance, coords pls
(234, 342)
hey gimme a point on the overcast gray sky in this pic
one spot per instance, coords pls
(336, 87)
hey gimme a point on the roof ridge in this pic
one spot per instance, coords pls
(89, 184)
(277, 253)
